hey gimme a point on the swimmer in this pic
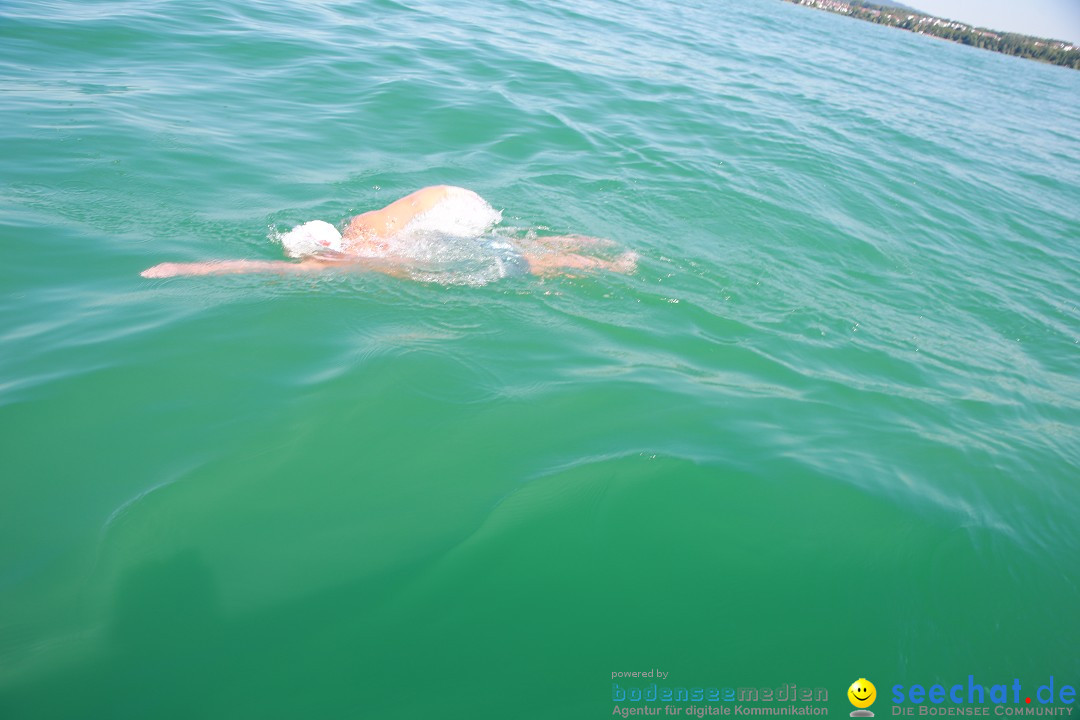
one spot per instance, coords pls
(367, 245)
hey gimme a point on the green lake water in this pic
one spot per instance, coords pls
(830, 428)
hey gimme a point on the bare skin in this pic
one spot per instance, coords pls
(370, 232)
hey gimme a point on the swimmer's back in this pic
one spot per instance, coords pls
(395, 216)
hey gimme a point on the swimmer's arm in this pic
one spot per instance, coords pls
(238, 267)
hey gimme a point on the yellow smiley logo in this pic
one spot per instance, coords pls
(862, 693)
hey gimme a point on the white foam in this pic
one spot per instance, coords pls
(462, 213)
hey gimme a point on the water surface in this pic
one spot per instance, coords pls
(827, 431)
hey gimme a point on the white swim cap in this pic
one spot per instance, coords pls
(312, 238)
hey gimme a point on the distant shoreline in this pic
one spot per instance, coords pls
(1056, 52)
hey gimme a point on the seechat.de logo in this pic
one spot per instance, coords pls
(862, 695)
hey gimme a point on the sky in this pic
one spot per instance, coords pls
(1057, 19)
